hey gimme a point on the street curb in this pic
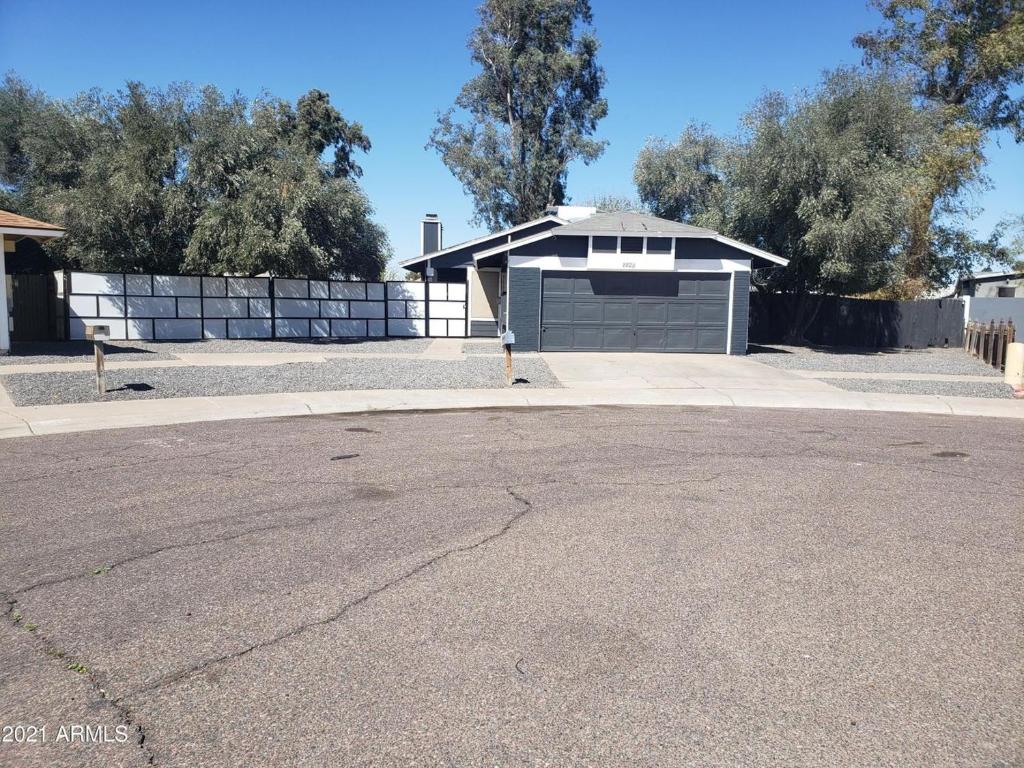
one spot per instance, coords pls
(83, 417)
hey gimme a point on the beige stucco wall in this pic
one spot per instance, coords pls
(483, 291)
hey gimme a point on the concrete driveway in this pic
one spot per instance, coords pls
(592, 586)
(602, 370)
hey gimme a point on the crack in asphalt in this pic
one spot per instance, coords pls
(72, 664)
(527, 507)
(295, 522)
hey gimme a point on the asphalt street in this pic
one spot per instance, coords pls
(548, 587)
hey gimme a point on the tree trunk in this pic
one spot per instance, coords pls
(915, 270)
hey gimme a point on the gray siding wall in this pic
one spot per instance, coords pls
(524, 307)
(740, 313)
(566, 246)
(705, 248)
(483, 328)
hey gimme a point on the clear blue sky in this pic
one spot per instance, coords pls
(392, 66)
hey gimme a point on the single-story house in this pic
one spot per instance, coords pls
(579, 280)
(1002, 285)
(12, 229)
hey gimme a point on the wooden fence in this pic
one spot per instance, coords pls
(988, 341)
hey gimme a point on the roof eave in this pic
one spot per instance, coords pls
(751, 250)
(467, 243)
(35, 232)
(515, 244)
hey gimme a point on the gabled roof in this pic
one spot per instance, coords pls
(627, 222)
(14, 221)
(631, 224)
(613, 223)
(478, 240)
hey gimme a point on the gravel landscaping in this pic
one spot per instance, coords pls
(44, 353)
(489, 347)
(995, 389)
(82, 351)
(942, 361)
(212, 381)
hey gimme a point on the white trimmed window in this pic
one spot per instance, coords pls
(632, 245)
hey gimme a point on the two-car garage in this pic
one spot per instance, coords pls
(640, 311)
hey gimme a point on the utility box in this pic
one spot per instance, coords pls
(1014, 373)
(97, 332)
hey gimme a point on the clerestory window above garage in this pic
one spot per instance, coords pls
(632, 245)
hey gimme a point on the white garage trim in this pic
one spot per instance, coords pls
(580, 263)
(728, 324)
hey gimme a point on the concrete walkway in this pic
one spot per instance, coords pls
(588, 379)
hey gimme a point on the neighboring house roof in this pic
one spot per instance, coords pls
(14, 221)
(615, 223)
(627, 222)
(984, 276)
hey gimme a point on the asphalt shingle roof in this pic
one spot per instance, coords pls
(631, 223)
(8, 219)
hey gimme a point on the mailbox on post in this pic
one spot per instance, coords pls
(98, 334)
(508, 338)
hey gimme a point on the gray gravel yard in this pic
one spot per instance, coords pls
(489, 347)
(994, 389)
(942, 361)
(45, 353)
(213, 381)
(82, 351)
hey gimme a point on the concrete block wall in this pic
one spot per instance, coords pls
(165, 307)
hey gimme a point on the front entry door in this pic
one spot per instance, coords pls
(31, 308)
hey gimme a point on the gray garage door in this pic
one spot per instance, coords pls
(630, 312)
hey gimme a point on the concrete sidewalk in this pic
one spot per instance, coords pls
(50, 419)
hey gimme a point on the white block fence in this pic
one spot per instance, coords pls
(182, 307)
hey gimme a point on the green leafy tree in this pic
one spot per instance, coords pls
(683, 179)
(965, 59)
(531, 110)
(819, 179)
(609, 203)
(186, 180)
(274, 206)
(124, 204)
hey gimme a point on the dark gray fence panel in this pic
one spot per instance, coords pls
(842, 322)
